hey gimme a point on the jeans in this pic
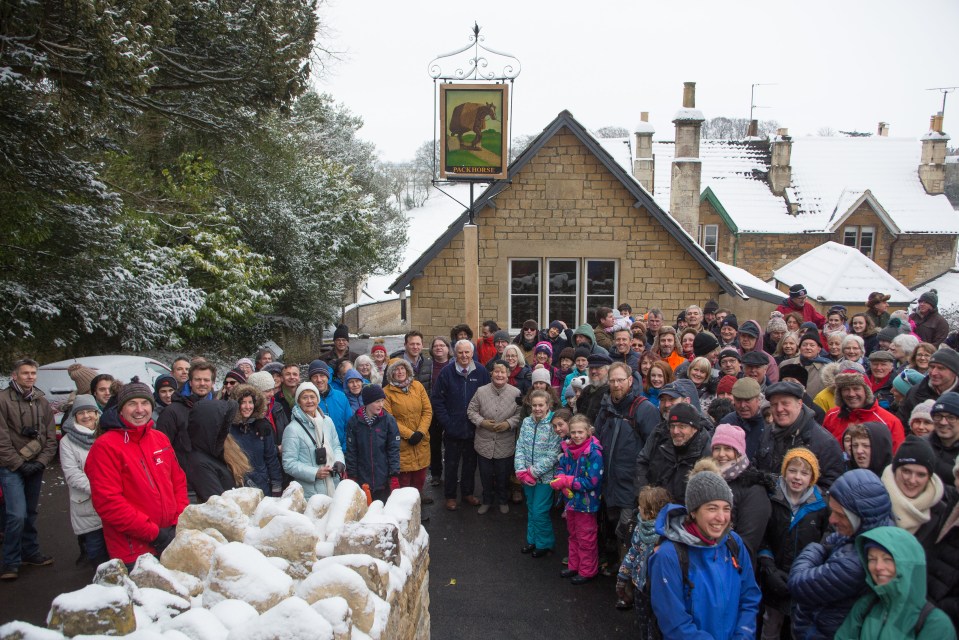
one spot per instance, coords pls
(22, 496)
(436, 449)
(494, 475)
(459, 450)
(539, 528)
(95, 546)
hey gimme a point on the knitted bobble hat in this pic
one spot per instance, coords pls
(706, 485)
(806, 456)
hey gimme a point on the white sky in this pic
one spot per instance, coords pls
(844, 64)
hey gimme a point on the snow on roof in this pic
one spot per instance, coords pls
(424, 226)
(745, 279)
(946, 286)
(685, 113)
(643, 127)
(836, 273)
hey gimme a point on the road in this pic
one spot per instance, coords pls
(480, 584)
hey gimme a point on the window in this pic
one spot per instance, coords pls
(564, 295)
(862, 238)
(709, 239)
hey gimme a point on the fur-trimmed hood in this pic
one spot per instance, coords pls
(398, 362)
(259, 401)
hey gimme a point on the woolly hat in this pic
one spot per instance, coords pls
(570, 393)
(243, 361)
(755, 359)
(785, 388)
(84, 402)
(581, 352)
(906, 380)
(930, 297)
(235, 374)
(132, 390)
(797, 291)
(501, 336)
(273, 367)
(262, 380)
(541, 375)
(875, 298)
(704, 342)
(777, 322)
(167, 380)
(888, 333)
(342, 331)
(750, 328)
(568, 353)
(922, 410)
(82, 376)
(705, 485)
(684, 413)
(881, 355)
(746, 389)
(304, 386)
(806, 456)
(378, 347)
(545, 347)
(846, 379)
(556, 324)
(319, 367)
(810, 335)
(915, 450)
(726, 384)
(731, 436)
(711, 306)
(372, 393)
(730, 321)
(849, 365)
(796, 372)
(730, 352)
(947, 403)
(947, 358)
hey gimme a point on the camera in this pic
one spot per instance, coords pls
(29, 432)
(320, 456)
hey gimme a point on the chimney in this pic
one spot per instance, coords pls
(883, 130)
(780, 171)
(644, 169)
(932, 165)
(687, 168)
(752, 131)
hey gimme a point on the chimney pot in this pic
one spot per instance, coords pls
(883, 129)
(753, 130)
(689, 95)
(644, 116)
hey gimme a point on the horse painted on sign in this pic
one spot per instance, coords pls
(471, 116)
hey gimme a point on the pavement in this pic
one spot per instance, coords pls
(481, 586)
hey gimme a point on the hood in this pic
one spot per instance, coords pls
(156, 386)
(399, 362)
(669, 524)
(759, 340)
(585, 330)
(352, 374)
(905, 595)
(863, 493)
(880, 443)
(241, 391)
(209, 425)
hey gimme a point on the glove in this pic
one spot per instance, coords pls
(394, 483)
(31, 467)
(526, 477)
(488, 424)
(561, 482)
(773, 579)
(339, 469)
(163, 539)
(416, 438)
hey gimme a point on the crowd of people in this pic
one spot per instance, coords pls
(790, 476)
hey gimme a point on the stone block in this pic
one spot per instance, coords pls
(18, 630)
(378, 539)
(375, 573)
(337, 580)
(337, 612)
(234, 614)
(292, 619)
(349, 505)
(218, 513)
(159, 605)
(197, 624)
(190, 552)
(291, 536)
(93, 610)
(149, 573)
(241, 572)
(245, 497)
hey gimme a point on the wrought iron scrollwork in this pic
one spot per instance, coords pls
(480, 63)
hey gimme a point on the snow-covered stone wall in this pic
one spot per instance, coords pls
(246, 567)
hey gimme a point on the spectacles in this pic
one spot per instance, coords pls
(948, 418)
(617, 381)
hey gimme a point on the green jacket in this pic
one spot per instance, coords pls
(892, 610)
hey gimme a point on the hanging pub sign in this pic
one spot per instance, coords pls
(475, 143)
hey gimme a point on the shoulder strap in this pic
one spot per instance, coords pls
(638, 400)
(308, 434)
(926, 610)
(733, 547)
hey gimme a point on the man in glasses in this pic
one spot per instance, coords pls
(233, 377)
(945, 438)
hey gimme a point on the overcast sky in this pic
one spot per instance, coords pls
(843, 64)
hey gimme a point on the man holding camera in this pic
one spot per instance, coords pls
(28, 443)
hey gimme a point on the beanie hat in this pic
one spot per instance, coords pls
(235, 374)
(711, 306)
(795, 371)
(746, 389)
(135, 389)
(730, 321)
(273, 367)
(541, 375)
(930, 297)
(915, 450)
(906, 380)
(730, 352)
(581, 352)
(922, 410)
(262, 380)
(82, 376)
(704, 342)
(847, 379)
(947, 358)
(888, 333)
(305, 386)
(569, 353)
(750, 328)
(352, 374)
(501, 336)
(684, 413)
(706, 485)
(84, 402)
(372, 393)
(776, 322)
(377, 347)
(556, 324)
(342, 331)
(545, 347)
(726, 384)
(797, 291)
(731, 436)
(318, 366)
(570, 393)
(806, 456)
(849, 365)
(167, 380)
(243, 361)
(810, 335)
(947, 403)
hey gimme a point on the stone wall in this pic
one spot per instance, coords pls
(564, 203)
(918, 258)
(377, 318)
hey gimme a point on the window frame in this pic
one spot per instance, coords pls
(543, 295)
(704, 232)
(856, 233)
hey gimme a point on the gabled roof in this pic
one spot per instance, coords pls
(643, 199)
(835, 273)
(852, 200)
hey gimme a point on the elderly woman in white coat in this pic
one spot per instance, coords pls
(79, 432)
(311, 449)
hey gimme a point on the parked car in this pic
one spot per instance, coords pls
(57, 385)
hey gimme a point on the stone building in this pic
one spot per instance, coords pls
(570, 230)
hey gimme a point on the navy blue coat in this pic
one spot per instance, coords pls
(372, 450)
(256, 439)
(623, 437)
(826, 579)
(451, 396)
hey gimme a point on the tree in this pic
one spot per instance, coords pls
(825, 132)
(723, 128)
(612, 132)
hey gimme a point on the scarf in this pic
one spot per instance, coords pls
(804, 361)
(577, 450)
(402, 386)
(515, 372)
(732, 470)
(691, 528)
(19, 390)
(912, 513)
(876, 385)
(367, 418)
(78, 433)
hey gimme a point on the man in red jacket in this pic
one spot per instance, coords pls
(796, 303)
(137, 486)
(855, 404)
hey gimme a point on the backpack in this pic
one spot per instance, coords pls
(927, 609)
(649, 626)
